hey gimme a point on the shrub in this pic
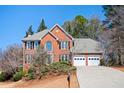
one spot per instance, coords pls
(102, 63)
(2, 76)
(17, 76)
(56, 68)
(62, 67)
(31, 74)
(5, 76)
(44, 69)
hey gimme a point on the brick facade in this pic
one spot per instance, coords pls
(56, 35)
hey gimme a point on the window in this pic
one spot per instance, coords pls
(64, 45)
(32, 45)
(97, 58)
(49, 46)
(75, 59)
(28, 58)
(28, 44)
(80, 58)
(64, 57)
(36, 44)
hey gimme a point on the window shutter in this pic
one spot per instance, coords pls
(59, 45)
(68, 44)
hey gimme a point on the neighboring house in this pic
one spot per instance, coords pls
(61, 46)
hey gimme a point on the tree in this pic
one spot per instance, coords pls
(115, 22)
(42, 26)
(11, 59)
(76, 27)
(40, 56)
(94, 28)
(39, 60)
(67, 27)
(29, 32)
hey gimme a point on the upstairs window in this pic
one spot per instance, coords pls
(49, 46)
(63, 45)
(28, 45)
(36, 44)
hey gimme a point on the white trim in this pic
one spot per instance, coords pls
(54, 35)
(62, 30)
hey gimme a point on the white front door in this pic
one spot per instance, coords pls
(93, 61)
(79, 61)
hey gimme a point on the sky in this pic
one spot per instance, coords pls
(15, 20)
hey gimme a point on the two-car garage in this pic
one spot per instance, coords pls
(86, 52)
(86, 61)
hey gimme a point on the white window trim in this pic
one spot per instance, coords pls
(64, 44)
(36, 44)
(46, 46)
(65, 57)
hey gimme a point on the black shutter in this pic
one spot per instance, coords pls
(68, 44)
(59, 45)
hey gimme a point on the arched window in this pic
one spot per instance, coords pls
(49, 46)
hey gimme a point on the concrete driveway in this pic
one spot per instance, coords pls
(99, 77)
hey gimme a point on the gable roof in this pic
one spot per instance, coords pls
(62, 30)
(86, 45)
(36, 36)
(40, 35)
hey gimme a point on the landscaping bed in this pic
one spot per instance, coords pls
(47, 82)
(121, 68)
(53, 75)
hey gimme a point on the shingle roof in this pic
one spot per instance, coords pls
(36, 36)
(86, 45)
(40, 35)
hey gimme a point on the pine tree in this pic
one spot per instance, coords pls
(42, 26)
(29, 32)
(115, 21)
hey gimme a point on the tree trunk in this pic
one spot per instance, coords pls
(119, 57)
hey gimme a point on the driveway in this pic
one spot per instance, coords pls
(99, 77)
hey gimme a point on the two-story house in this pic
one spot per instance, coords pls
(61, 46)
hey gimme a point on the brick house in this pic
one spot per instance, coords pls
(61, 46)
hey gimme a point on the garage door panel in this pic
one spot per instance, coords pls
(78, 61)
(93, 61)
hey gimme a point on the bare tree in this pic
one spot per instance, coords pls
(39, 60)
(11, 58)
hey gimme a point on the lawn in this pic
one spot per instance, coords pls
(49, 82)
(121, 68)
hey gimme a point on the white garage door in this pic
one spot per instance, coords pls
(93, 61)
(79, 61)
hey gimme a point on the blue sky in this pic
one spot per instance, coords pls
(15, 20)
